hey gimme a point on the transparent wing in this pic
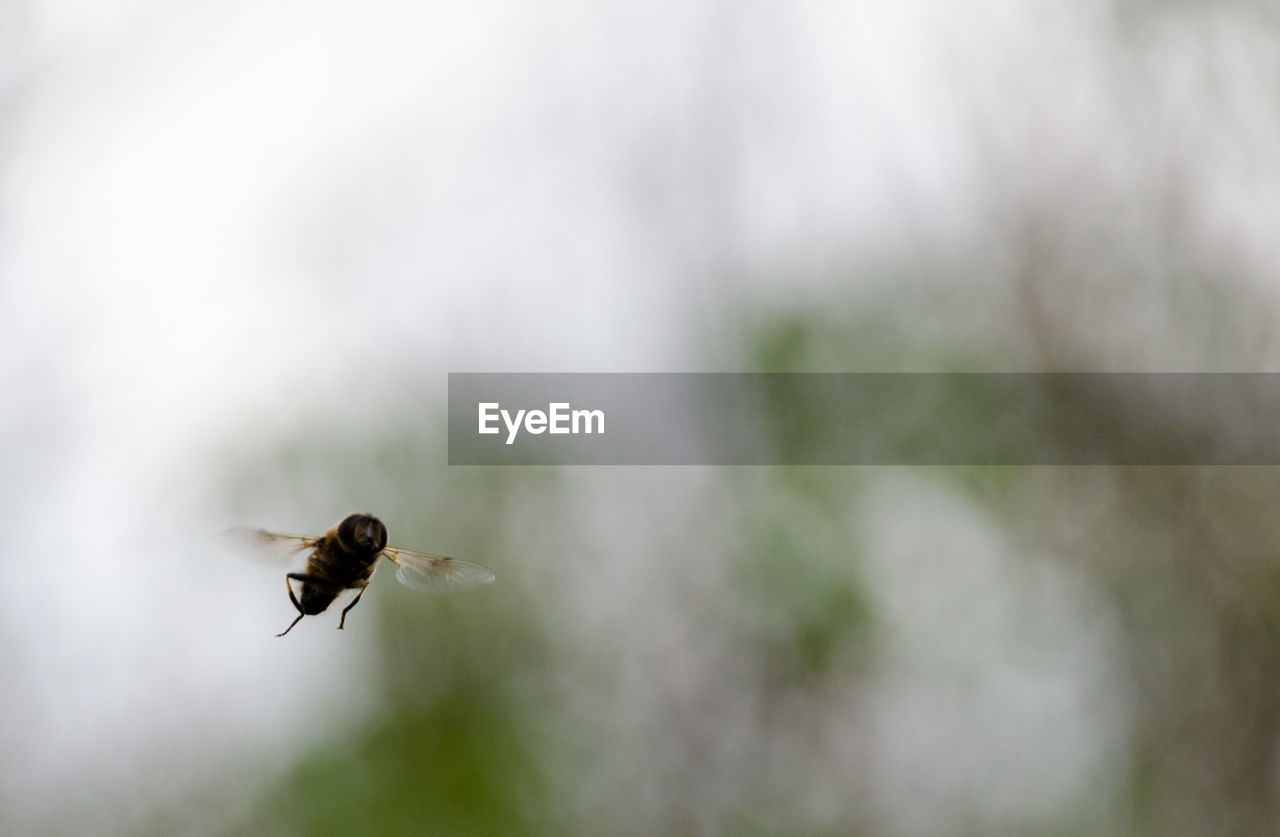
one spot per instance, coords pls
(436, 573)
(268, 547)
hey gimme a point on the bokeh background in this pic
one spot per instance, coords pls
(241, 245)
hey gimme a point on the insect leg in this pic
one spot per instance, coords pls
(354, 601)
(303, 577)
(293, 598)
(291, 624)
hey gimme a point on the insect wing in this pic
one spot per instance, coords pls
(269, 547)
(436, 573)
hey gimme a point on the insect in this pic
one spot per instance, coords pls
(345, 557)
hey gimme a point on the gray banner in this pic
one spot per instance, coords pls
(864, 419)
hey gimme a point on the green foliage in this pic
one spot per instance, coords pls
(454, 765)
(797, 573)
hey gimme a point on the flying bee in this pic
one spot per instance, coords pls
(345, 557)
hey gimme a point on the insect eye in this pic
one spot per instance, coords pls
(347, 528)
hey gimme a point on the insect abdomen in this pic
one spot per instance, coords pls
(315, 598)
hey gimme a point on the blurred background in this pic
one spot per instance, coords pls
(242, 244)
